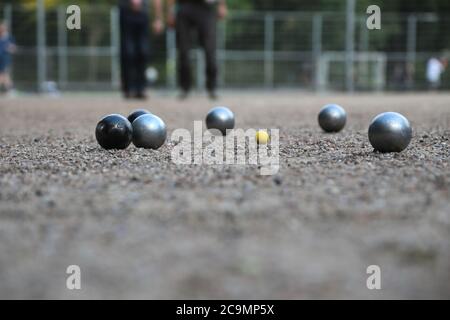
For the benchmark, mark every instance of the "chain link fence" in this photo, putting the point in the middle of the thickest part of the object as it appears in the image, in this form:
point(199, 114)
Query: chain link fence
point(302, 50)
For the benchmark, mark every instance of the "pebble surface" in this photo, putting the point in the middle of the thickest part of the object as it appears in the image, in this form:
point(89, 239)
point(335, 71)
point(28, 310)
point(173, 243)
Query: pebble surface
point(140, 226)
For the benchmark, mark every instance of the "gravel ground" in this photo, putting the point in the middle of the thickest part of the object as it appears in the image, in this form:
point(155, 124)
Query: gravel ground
point(140, 226)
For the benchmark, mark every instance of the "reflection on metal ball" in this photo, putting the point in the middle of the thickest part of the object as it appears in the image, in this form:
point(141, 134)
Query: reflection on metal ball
point(220, 118)
point(332, 118)
point(149, 132)
point(114, 132)
point(390, 132)
point(136, 114)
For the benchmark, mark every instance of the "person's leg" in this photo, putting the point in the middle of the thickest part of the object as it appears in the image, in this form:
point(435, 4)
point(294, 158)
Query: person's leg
point(132, 62)
point(142, 54)
point(430, 85)
point(2, 82)
point(183, 29)
point(124, 76)
point(132, 56)
point(433, 85)
point(8, 81)
point(3, 74)
point(128, 54)
point(207, 22)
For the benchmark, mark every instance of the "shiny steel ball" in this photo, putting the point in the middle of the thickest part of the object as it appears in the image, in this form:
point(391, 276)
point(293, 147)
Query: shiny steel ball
point(390, 132)
point(137, 113)
point(114, 132)
point(332, 118)
point(149, 132)
point(220, 118)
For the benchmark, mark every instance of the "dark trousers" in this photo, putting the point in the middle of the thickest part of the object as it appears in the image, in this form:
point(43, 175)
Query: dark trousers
point(134, 50)
point(202, 19)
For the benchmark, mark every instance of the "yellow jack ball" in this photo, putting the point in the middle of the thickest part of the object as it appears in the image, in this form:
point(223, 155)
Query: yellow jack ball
point(262, 137)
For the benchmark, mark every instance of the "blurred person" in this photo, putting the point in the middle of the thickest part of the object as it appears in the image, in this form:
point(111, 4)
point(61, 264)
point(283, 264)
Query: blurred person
point(135, 44)
point(199, 16)
point(7, 48)
point(409, 75)
point(398, 76)
point(435, 69)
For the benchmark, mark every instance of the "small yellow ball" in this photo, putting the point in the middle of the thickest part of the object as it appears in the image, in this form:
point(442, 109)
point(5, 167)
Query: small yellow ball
point(262, 137)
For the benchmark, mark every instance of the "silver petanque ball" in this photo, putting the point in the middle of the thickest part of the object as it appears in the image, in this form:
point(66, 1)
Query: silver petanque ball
point(137, 113)
point(149, 132)
point(220, 118)
point(390, 132)
point(332, 118)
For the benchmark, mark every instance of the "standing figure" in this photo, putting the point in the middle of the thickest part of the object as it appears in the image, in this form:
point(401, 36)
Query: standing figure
point(199, 16)
point(135, 44)
point(435, 69)
point(7, 48)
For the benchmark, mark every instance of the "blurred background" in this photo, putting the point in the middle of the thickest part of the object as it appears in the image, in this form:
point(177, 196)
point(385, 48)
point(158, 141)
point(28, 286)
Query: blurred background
point(306, 45)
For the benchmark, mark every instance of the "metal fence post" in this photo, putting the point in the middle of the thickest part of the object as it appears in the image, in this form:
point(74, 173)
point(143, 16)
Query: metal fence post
point(323, 71)
point(41, 44)
point(200, 63)
point(364, 36)
point(268, 50)
point(380, 76)
point(364, 47)
point(411, 46)
point(62, 48)
point(171, 60)
point(115, 44)
point(317, 48)
point(350, 45)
